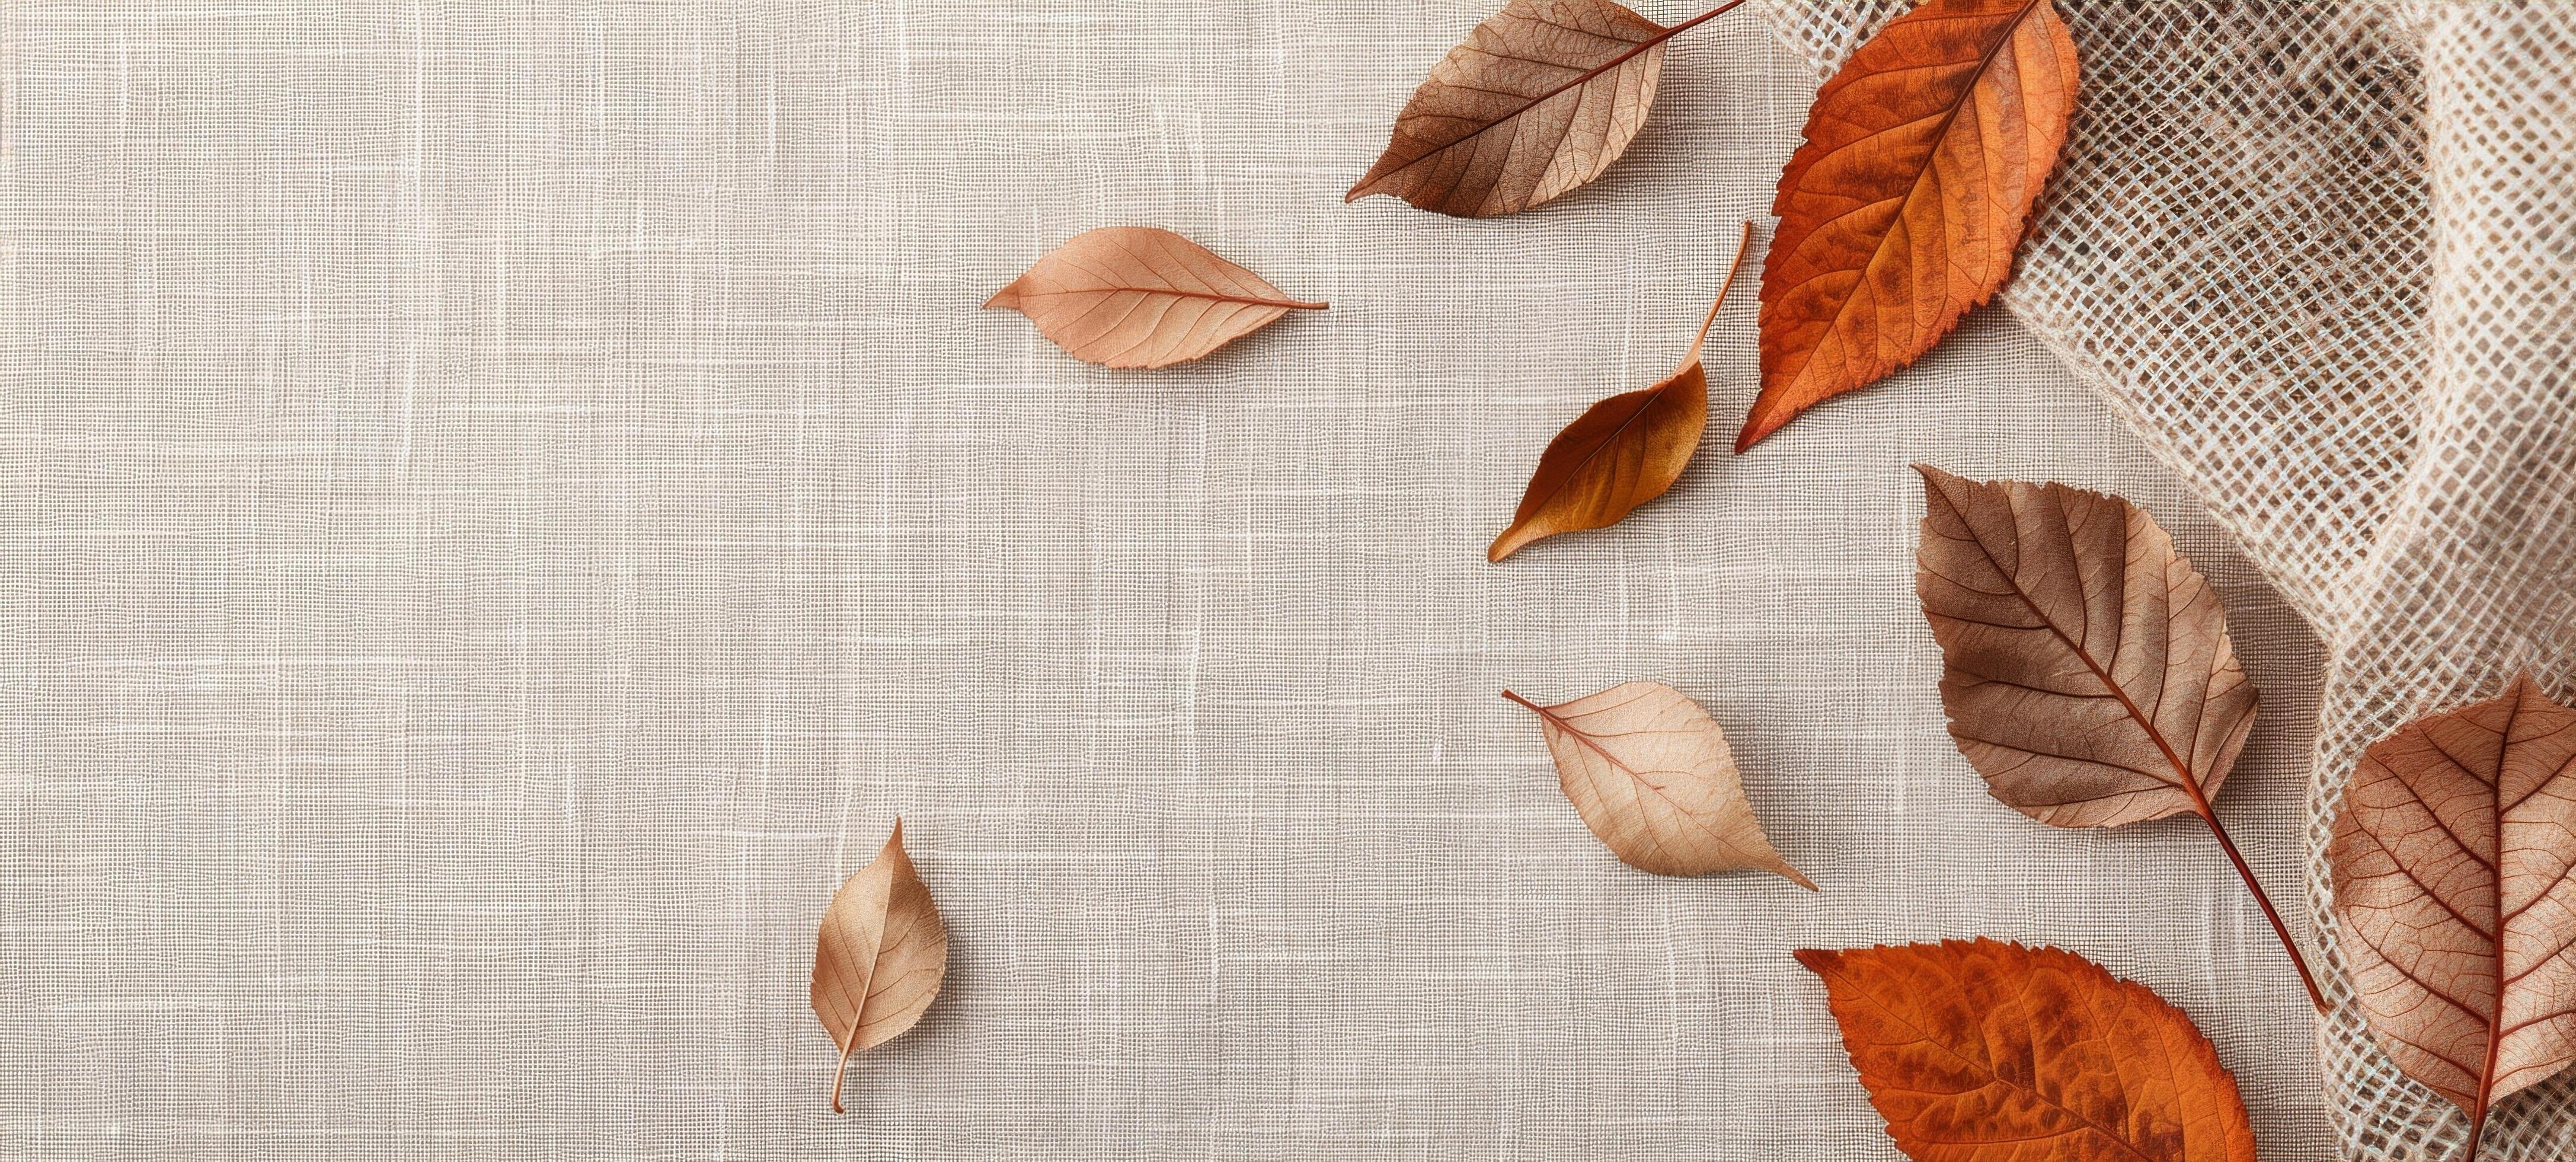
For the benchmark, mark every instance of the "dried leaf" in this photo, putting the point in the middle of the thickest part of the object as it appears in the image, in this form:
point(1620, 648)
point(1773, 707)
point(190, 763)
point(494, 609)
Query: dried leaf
point(1923, 158)
point(1538, 101)
point(1983, 1051)
point(1651, 774)
point(2088, 672)
point(880, 956)
point(2451, 869)
point(1622, 452)
point(1136, 296)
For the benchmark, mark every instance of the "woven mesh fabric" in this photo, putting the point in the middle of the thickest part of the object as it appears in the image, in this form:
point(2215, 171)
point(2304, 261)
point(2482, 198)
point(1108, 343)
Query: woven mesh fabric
point(2323, 257)
point(502, 504)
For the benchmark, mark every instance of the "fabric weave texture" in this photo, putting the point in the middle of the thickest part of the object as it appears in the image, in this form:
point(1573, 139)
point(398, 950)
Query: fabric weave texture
point(501, 506)
point(2323, 258)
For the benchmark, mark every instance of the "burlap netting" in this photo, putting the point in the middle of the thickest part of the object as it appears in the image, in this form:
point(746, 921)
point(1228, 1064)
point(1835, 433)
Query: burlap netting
point(2321, 255)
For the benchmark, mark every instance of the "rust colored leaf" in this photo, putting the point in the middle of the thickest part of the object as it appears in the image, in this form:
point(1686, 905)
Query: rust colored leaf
point(880, 956)
point(1136, 296)
point(1923, 158)
point(1538, 101)
point(1621, 452)
point(1983, 1051)
point(1650, 773)
point(2451, 866)
point(2087, 673)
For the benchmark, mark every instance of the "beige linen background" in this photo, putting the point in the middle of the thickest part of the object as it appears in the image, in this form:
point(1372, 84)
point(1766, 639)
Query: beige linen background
point(503, 505)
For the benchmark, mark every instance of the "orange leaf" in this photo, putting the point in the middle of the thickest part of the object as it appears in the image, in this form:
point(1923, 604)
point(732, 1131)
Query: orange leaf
point(1923, 158)
point(2454, 865)
point(1982, 1051)
point(1622, 452)
point(1137, 296)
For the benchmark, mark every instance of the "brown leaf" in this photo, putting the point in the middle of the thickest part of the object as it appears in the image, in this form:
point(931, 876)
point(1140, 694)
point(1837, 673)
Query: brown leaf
point(1136, 296)
point(1923, 158)
point(2451, 877)
point(1622, 452)
point(1651, 774)
point(1538, 101)
point(2088, 672)
point(1982, 1051)
point(880, 956)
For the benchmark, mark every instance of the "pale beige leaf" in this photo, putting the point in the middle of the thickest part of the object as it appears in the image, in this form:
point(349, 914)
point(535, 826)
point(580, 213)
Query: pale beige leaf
point(1650, 773)
point(2088, 674)
point(1137, 296)
point(880, 956)
point(2451, 866)
point(1538, 101)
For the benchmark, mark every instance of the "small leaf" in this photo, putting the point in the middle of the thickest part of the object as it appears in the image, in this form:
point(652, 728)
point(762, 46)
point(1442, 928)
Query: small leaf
point(880, 956)
point(1136, 296)
point(2451, 865)
point(1923, 158)
point(1622, 452)
point(1650, 773)
point(2087, 672)
point(1538, 101)
point(1983, 1051)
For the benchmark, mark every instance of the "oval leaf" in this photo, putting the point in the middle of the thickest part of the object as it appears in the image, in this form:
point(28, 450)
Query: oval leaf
point(2451, 877)
point(1539, 100)
point(1923, 158)
point(880, 956)
point(1650, 773)
point(2087, 669)
point(1622, 452)
point(1983, 1051)
point(1137, 296)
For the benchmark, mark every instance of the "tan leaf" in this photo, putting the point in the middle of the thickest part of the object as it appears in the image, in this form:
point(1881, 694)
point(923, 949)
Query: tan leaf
point(1923, 158)
point(880, 956)
point(1650, 773)
point(1136, 296)
point(1622, 452)
point(1982, 1051)
point(2451, 877)
point(1538, 101)
point(2088, 673)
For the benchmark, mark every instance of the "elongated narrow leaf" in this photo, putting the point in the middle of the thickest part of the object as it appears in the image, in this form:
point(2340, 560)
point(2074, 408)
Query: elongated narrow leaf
point(1983, 1051)
point(1923, 158)
point(880, 956)
point(1538, 101)
point(1136, 296)
point(2087, 669)
point(1650, 773)
point(2451, 864)
point(1623, 451)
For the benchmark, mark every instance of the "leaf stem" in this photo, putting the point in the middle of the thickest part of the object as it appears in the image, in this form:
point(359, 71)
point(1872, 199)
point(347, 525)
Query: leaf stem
point(843, 1067)
point(1728, 283)
point(2316, 996)
point(1541, 711)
